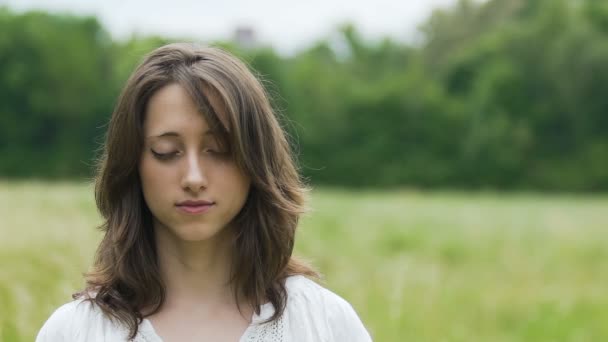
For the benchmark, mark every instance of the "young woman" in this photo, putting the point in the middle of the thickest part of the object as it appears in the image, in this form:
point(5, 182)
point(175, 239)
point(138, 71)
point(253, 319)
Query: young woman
point(200, 198)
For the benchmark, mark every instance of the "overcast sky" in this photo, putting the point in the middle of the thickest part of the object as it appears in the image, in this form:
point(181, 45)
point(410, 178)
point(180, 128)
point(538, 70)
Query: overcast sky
point(287, 25)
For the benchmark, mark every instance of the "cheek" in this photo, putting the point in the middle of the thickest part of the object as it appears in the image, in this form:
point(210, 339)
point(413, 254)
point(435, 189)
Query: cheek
point(235, 183)
point(154, 179)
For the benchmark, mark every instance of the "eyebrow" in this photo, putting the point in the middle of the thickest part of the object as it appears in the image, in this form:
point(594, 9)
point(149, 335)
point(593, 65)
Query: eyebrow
point(175, 134)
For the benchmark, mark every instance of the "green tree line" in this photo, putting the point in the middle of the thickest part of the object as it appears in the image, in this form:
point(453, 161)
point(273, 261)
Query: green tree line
point(504, 94)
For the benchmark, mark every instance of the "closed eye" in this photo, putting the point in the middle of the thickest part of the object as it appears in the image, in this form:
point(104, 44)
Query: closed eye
point(164, 156)
point(172, 155)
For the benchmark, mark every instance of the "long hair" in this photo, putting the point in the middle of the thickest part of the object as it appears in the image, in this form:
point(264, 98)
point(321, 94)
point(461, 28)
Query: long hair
point(125, 276)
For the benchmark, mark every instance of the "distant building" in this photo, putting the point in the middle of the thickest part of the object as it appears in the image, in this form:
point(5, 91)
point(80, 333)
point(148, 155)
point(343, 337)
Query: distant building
point(244, 36)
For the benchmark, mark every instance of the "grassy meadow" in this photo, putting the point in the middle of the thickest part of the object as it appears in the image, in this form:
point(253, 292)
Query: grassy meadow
point(417, 266)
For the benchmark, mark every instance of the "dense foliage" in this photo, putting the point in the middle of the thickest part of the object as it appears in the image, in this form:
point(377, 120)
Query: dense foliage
point(503, 94)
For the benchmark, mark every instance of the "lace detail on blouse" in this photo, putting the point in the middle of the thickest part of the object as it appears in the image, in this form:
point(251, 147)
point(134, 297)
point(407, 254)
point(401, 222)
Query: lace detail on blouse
point(267, 332)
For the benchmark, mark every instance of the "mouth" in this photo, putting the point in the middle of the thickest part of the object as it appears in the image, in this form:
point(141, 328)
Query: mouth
point(195, 208)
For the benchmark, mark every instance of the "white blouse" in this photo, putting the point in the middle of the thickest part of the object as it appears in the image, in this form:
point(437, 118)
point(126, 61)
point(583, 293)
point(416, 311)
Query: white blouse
point(313, 313)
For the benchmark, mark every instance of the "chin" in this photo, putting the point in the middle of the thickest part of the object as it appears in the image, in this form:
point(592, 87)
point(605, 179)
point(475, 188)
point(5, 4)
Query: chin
point(194, 233)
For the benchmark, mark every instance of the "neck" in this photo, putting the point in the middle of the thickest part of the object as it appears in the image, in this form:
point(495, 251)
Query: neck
point(195, 273)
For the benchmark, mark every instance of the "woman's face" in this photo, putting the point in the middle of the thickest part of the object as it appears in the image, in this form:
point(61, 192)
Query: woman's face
point(182, 161)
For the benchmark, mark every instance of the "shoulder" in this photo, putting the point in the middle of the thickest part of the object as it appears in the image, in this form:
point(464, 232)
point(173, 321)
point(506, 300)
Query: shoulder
point(304, 289)
point(62, 325)
point(316, 305)
point(317, 298)
point(74, 321)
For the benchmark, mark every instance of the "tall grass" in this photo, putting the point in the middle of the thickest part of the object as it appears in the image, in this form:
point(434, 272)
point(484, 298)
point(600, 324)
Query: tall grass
point(416, 266)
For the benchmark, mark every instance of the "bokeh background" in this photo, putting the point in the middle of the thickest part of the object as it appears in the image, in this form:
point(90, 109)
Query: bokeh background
point(458, 152)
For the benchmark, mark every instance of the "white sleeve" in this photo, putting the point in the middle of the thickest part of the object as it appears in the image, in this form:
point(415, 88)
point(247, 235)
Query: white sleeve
point(58, 326)
point(343, 321)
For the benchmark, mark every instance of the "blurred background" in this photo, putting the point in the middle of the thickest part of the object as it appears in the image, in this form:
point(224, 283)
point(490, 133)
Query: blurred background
point(458, 151)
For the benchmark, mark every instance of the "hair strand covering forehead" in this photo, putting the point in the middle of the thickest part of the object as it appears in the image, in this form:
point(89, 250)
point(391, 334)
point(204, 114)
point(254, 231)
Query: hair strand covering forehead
point(125, 280)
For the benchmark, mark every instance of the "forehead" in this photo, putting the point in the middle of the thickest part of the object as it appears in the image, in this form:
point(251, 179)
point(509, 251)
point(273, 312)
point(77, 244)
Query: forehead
point(171, 108)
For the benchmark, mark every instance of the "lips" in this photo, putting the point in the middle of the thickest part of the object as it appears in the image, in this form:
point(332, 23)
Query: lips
point(194, 207)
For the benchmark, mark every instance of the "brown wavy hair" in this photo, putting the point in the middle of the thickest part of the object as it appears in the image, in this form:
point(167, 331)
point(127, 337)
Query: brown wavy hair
point(125, 278)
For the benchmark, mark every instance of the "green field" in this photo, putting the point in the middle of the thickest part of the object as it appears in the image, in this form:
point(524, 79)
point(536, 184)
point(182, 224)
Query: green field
point(417, 266)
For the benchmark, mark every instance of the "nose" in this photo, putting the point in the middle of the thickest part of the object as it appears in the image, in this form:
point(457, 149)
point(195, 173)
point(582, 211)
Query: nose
point(194, 177)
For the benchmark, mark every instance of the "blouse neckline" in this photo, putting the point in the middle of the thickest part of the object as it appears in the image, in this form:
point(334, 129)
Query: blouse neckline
point(146, 329)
